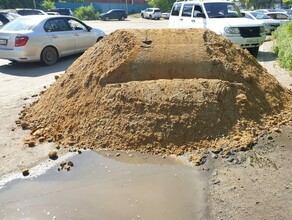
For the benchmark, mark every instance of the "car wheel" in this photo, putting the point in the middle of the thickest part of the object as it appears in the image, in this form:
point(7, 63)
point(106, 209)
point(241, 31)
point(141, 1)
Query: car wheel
point(150, 17)
point(142, 15)
point(122, 18)
point(253, 51)
point(99, 39)
point(49, 56)
point(107, 18)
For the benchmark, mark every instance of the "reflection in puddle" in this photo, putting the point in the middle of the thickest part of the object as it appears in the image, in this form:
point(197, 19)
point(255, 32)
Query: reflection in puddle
point(101, 188)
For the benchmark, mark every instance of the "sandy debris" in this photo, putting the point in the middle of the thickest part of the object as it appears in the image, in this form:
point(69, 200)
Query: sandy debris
point(160, 91)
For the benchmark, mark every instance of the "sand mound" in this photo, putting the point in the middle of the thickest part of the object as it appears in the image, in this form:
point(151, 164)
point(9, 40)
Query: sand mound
point(160, 91)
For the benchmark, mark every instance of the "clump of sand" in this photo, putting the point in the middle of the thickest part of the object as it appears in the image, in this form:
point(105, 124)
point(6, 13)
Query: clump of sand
point(160, 91)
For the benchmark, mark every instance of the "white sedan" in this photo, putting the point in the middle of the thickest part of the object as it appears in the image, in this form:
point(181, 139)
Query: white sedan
point(269, 24)
point(45, 38)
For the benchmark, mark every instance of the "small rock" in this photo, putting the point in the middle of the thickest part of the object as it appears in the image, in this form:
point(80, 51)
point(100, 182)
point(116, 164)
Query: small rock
point(56, 77)
point(24, 125)
point(79, 152)
point(35, 95)
point(58, 147)
point(53, 155)
point(41, 139)
point(70, 163)
point(25, 171)
point(215, 151)
point(12, 129)
point(270, 137)
point(118, 154)
point(31, 144)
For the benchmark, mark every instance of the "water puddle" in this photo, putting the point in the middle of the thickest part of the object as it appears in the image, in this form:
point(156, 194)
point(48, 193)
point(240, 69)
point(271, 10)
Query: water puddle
point(99, 187)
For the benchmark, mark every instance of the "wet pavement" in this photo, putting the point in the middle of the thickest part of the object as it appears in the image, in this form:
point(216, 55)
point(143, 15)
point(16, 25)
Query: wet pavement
point(99, 186)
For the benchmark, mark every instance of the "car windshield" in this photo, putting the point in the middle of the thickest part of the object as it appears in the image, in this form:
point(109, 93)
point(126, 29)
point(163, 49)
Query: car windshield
point(260, 15)
point(20, 24)
point(222, 10)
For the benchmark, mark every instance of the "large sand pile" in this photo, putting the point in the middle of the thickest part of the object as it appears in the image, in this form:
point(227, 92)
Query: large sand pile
point(165, 90)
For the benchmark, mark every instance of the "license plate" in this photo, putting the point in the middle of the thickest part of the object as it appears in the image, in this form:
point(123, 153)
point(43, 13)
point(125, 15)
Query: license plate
point(3, 42)
point(252, 41)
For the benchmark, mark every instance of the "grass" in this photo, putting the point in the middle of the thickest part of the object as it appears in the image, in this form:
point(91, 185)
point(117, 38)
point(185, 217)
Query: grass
point(283, 45)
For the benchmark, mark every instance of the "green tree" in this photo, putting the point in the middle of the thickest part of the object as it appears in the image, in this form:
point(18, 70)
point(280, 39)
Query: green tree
point(48, 4)
point(86, 13)
point(164, 5)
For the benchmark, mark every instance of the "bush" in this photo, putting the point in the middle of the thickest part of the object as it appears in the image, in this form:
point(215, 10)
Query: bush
point(283, 44)
point(86, 13)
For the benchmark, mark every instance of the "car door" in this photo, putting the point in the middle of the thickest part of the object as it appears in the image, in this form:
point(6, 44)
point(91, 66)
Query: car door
point(186, 19)
point(83, 37)
point(174, 17)
point(61, 35)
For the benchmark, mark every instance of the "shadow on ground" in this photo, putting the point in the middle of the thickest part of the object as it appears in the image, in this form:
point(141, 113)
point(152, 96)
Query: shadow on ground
point(37, 69)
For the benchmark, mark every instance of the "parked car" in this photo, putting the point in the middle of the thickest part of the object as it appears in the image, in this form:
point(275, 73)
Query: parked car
point(151, 13)
point(222, 17)
point(269, 24)
point(62, 11)
point(280, 16)
point(45, 38)
point(6, 17)
point(30, 11)
point(52, 13)
point(119, 14)
point(165, 15)
point(271, 10)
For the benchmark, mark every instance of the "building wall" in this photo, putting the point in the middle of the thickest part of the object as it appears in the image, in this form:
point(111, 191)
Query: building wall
point(117, 1)
point(104, 7)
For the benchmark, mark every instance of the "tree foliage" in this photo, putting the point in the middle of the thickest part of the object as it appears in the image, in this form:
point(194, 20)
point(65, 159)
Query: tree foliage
point(256, 4)
point(48, 4)
point(164, 5)
point(86, 13)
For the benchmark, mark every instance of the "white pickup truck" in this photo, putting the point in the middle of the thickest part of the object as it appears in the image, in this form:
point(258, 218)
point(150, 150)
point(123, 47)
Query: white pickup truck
point(222, 17)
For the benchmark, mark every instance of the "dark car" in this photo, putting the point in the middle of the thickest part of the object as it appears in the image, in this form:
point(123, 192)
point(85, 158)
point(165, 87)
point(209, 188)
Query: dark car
point(119, 14)
point(62, 11)
point(29, 11)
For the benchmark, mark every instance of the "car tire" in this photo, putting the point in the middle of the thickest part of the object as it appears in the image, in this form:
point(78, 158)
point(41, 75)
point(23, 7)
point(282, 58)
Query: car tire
point(142, 15)
point(49, 56)
point(106, 18)
point(253, 51)
point(99, 39)
point(122, 18)
point(150, 17)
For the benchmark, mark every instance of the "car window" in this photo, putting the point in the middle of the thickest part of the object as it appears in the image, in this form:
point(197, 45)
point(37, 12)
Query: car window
point(54, 25)
point(76, 25)
point(175, 9)
point(187, 10)
point(198, 12)
point(157, 11)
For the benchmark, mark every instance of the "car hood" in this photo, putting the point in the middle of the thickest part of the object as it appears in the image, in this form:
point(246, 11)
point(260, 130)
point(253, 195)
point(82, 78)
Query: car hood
point(235, 22)
point(218, 24)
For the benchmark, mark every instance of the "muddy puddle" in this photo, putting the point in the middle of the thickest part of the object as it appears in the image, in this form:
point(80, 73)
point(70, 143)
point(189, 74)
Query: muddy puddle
point(108, 187)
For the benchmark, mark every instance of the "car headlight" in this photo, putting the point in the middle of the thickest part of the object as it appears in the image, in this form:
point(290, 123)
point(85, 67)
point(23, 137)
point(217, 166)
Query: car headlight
point(262, 29)
point(232, 30)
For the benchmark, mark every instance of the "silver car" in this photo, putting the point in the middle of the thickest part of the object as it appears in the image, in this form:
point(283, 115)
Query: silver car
point(151, 13)
point(45, 38)
point(269, 24)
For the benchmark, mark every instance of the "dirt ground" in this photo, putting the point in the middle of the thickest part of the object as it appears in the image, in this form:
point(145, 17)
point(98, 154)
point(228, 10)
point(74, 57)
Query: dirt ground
point(253, 184)
point(256, 184)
